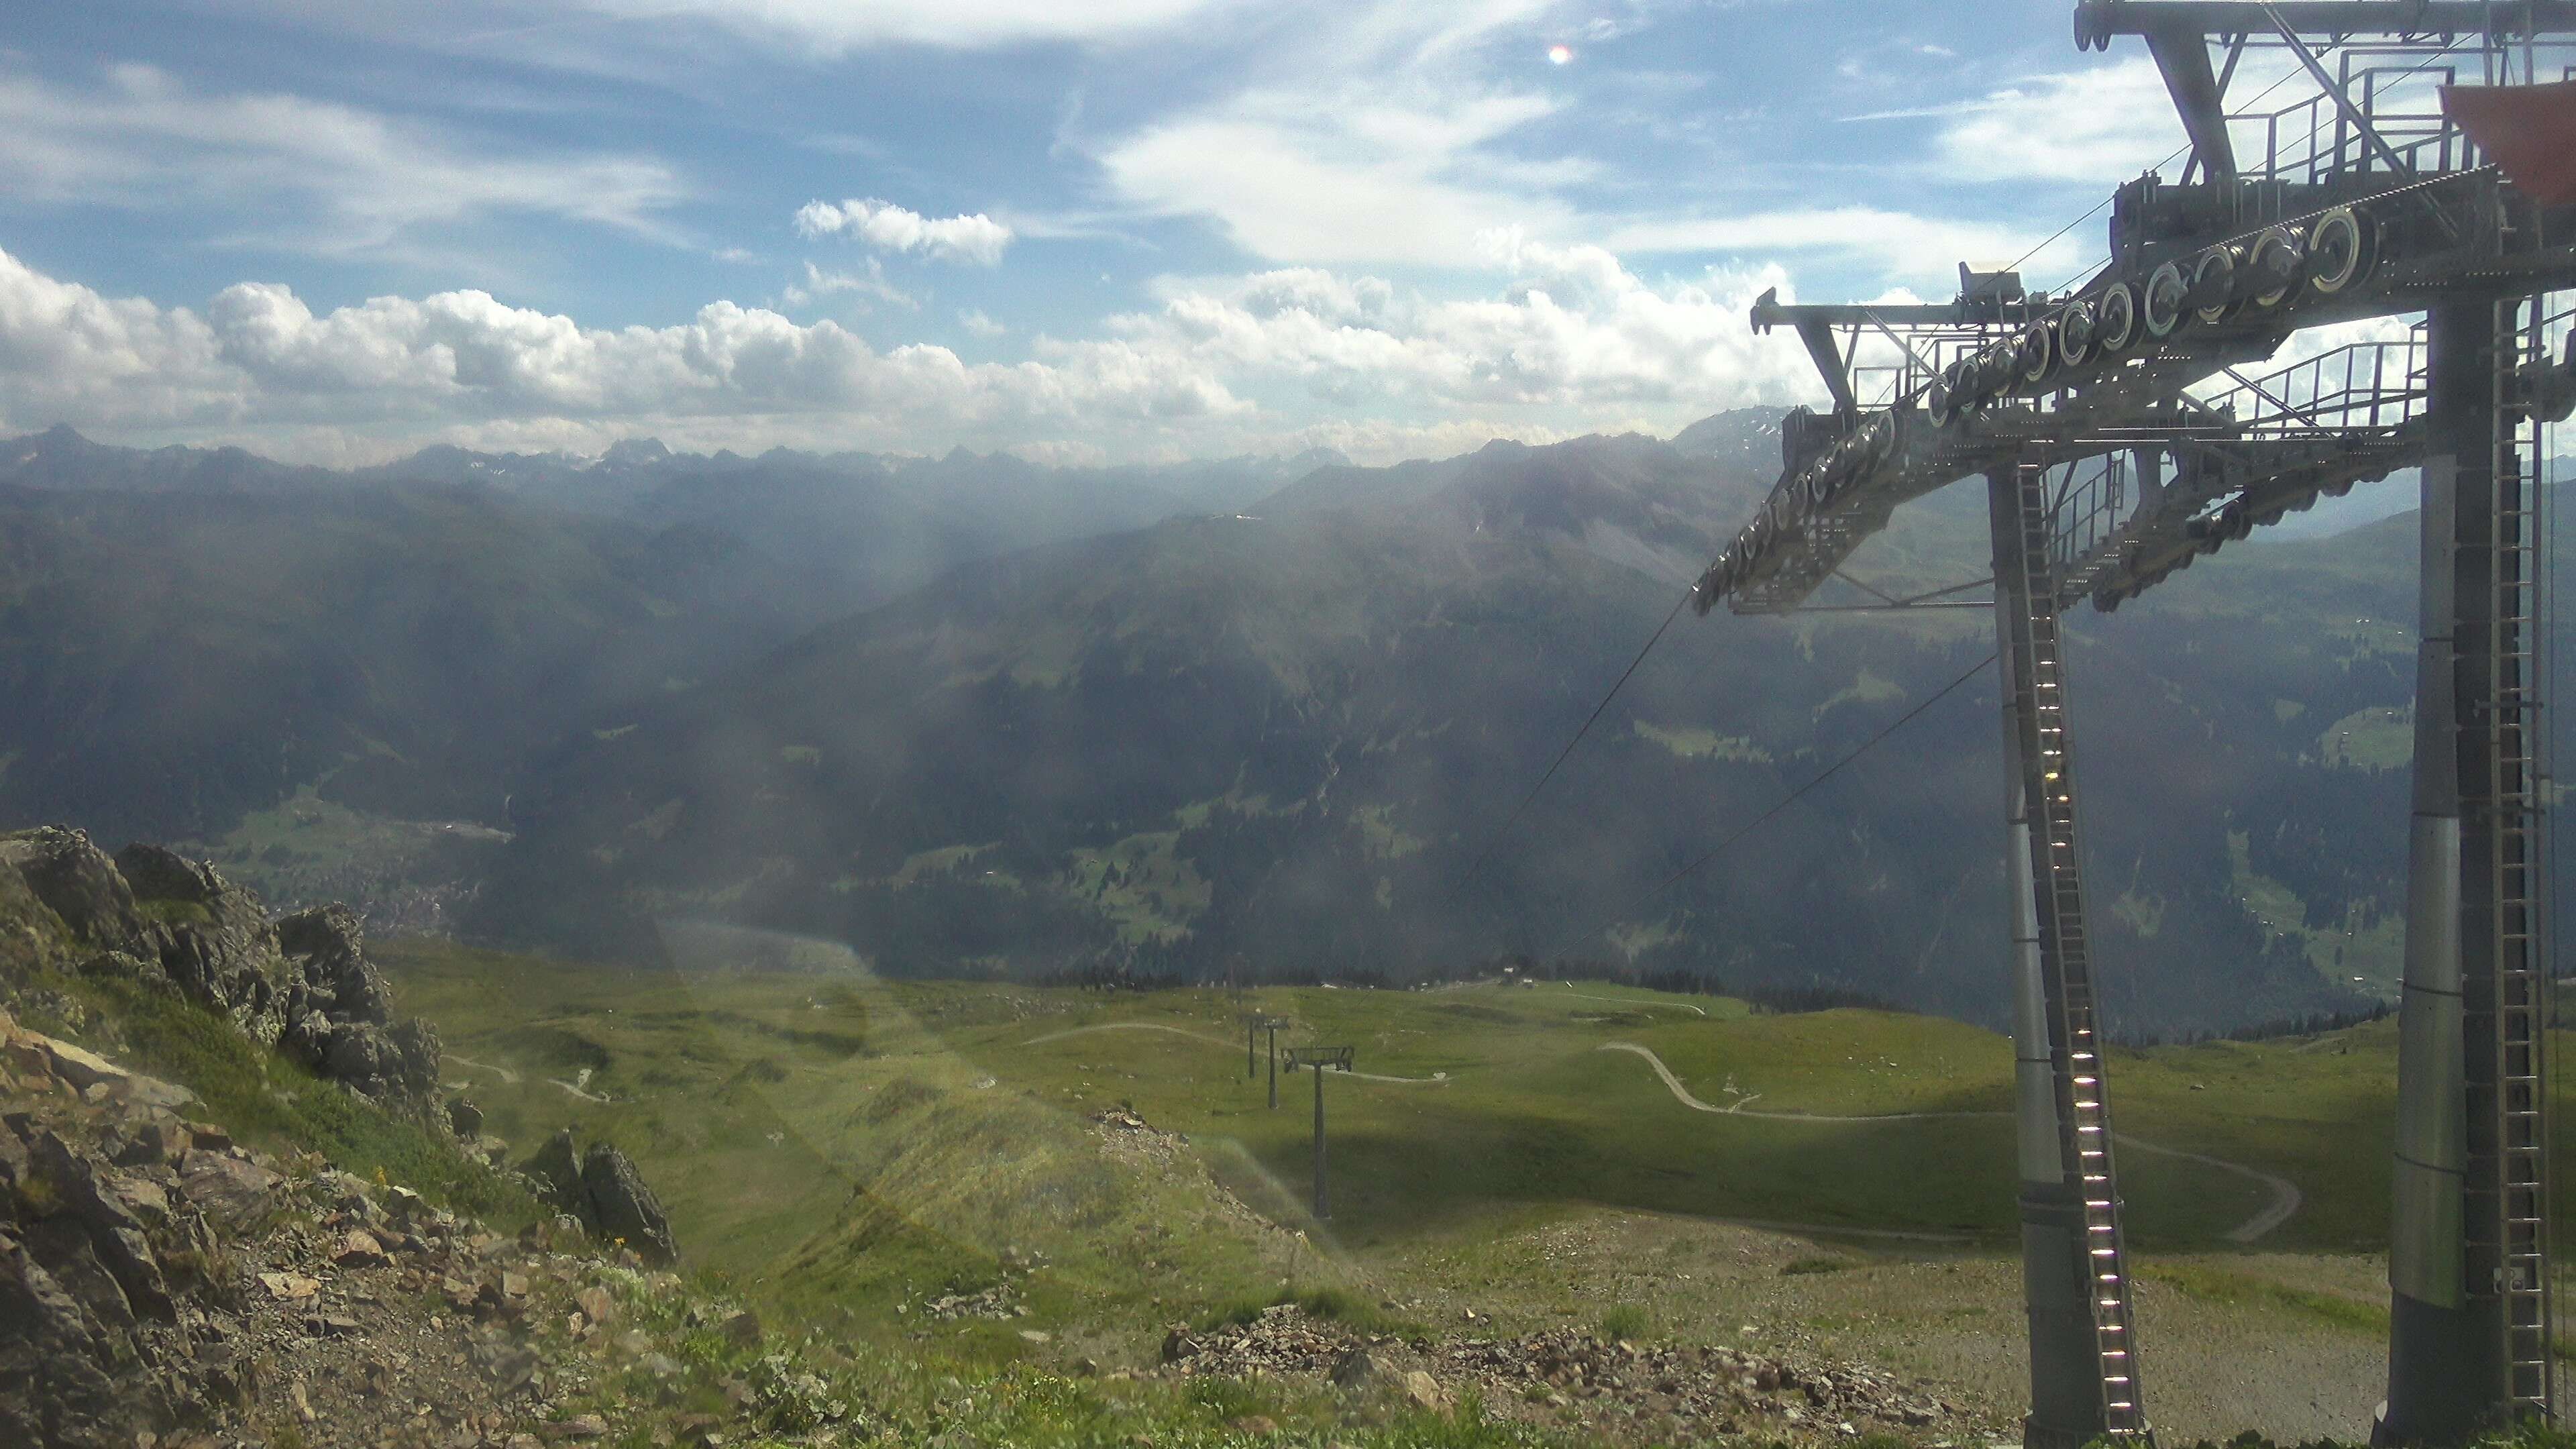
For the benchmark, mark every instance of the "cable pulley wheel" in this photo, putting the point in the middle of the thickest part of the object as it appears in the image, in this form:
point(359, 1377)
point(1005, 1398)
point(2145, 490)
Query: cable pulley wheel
point(2161, 309)
point(2338, 251)
point(2213, 286)
point(1997, 365)
point(2075, 334)
point(2035, 353)
point(2274, 258)
point(2115, 319)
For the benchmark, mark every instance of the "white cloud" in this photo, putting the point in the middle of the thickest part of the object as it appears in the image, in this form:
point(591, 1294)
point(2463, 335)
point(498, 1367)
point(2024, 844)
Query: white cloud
point(2099, 125)
point(1359, 175)
point(1372, 132)
point(1573, 330)
point(836, 27)
point(1895, 244)
point(335, 178)
point(888, 227)
point(820, 283)
point(974, 321)
point(1278, 360)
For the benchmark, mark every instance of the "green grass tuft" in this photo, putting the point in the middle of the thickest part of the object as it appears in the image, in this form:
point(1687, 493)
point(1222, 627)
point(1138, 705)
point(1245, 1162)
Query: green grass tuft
point(1622, 1322)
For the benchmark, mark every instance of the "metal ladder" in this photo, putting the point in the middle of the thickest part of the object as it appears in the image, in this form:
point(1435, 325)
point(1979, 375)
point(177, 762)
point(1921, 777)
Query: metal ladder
point(2084, 1122)
point(2516, 1225)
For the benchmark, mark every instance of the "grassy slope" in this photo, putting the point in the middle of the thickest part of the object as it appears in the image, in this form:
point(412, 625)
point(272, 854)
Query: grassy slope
point(929, 1130)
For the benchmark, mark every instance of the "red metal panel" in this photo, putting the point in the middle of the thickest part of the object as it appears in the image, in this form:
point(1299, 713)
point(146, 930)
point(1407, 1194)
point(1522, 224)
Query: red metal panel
point(2528, 131)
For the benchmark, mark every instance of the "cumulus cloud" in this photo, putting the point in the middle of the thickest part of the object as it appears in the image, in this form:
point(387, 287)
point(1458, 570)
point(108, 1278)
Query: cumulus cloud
point(344, 179)
point(888, 227)
point(1569, 340)
point(974, 321)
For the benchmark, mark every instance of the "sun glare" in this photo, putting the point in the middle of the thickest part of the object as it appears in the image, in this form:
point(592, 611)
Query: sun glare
point(1560, 54)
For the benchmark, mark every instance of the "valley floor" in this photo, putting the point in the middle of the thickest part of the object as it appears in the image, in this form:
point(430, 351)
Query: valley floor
point(1062, 1177)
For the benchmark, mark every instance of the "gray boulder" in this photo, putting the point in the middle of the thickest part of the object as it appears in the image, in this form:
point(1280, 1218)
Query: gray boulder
point(622, 1207)
point(115, 1235)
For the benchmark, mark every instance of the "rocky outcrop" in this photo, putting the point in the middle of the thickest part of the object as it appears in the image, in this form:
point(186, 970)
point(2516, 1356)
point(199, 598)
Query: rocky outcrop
point(604, 1192)
point(339, 1016)
point(93, 1344)
point(622, 1208)
point(555, 1171)
point(77, 882)
point(302, 983)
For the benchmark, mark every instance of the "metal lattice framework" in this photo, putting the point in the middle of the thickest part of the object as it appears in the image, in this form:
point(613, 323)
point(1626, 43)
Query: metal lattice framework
point(2176, 398)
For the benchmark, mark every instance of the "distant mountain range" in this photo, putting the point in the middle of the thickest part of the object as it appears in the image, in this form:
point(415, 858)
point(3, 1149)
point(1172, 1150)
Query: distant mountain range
point(975, 716)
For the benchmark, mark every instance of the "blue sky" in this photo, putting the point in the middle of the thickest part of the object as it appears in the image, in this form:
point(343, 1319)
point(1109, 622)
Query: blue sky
point(340, 229)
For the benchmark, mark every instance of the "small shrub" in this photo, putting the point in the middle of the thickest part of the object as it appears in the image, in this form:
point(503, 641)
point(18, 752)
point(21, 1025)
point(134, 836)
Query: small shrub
point(1622, 1321)
point(1225, 1398)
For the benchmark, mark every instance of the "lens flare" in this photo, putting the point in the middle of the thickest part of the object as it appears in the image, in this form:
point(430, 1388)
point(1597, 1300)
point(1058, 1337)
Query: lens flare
point(1560, 54)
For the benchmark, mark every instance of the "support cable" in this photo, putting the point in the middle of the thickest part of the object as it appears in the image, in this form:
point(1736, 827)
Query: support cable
point(1792, 798)
point(1503, 831)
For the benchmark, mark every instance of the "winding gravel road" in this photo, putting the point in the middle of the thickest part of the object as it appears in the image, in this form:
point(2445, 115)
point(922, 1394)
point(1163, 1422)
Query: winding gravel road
point(2285, 1193)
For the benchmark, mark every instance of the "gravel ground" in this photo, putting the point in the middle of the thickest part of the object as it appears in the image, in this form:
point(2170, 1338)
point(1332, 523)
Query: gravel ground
point(2213, 1366)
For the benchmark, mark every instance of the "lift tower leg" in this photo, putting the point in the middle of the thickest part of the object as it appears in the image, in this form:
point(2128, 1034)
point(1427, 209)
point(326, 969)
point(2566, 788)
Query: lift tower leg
point(2083, 1365)
point(2468, 1277)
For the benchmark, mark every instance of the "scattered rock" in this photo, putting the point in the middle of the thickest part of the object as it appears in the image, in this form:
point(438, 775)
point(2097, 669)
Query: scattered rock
point(290, 1287)
point(360, 1250)
point(230, 1189)
point(1356, 1372)
point(1424, 1391)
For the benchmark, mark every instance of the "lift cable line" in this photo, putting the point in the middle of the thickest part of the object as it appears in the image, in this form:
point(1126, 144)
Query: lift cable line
point(1792, 798)
point(2182, 150)
point(1502, 832)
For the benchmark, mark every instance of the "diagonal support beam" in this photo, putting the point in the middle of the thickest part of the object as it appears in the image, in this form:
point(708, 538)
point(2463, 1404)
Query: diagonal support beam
point(2353, 114)
point(1819, 337)
point(2182, 57)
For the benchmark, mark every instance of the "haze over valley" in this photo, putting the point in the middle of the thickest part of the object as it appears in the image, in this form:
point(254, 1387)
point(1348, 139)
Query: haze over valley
point(974, 716)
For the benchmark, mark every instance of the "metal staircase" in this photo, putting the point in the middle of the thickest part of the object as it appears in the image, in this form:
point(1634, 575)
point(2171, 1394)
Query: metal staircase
point(2508, 1218)
point(2082, 1112)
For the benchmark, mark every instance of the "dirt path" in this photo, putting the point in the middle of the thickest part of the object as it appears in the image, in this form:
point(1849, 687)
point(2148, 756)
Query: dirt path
point(1211, 1041)
point(2286, 1197)
point(2285, 1193)
point(1642, 1005)
point(510, 1078)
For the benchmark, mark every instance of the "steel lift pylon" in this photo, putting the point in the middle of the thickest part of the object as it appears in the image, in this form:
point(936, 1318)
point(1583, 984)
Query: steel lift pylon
point(2121, 437)
point(2084, 1366)
point(2469, 1339)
